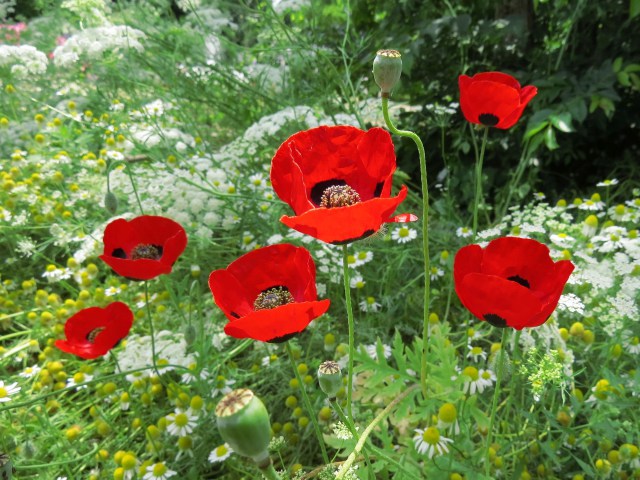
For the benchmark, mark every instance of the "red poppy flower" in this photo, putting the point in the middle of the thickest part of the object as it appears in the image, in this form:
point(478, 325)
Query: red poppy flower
point(512, 282)
point(144, 247)
point(493, 99)
point(268, 294)
point(338, 182)
point(93, 331)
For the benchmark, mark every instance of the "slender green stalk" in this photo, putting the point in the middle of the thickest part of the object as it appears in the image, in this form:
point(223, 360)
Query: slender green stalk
point(135, 190)
point(425, 236)
point(307, 404)
point(352, 428)
point(153, 340)
point(270, 473)
point(478, 198)
point(367, 431)
point(515, 180)
point(347, 298)
point(494, 404)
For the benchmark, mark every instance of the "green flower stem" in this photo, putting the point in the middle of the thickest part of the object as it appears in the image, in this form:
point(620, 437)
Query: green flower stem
point(349, 424)
point(494, 404)
point(135, 190)
point(307, 404)
point(347, 297)
point(367, 431)
point(515, 179)
point(425, 236)
point(270, 473)
point(153, 340)
point(478, 198)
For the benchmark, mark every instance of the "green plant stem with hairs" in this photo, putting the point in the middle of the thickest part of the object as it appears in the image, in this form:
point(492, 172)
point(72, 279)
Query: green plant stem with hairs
point(352, 428)
point(307, 404)
point(425, 236)
point(347, 298)
point(494, 403)
point(270, 473)
point(478, 177)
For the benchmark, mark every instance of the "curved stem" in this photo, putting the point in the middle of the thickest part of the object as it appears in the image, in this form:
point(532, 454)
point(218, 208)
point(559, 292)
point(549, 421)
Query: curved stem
point(367, 431)
point(347, 298)
point(425, 236)
point(494, 404)
point(151, 332)
point(352, 428)
point(478, 172)
point(307, 404)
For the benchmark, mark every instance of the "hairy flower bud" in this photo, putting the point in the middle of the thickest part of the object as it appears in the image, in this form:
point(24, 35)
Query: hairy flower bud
point(387, 68)
point(244, 424)
point(111, 203)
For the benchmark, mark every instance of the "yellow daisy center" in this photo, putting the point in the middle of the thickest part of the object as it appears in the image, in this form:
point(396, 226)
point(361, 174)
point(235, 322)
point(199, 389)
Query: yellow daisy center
point(471, 372)
point(221, 451)
point(159, 469)
point(181, 419)
point(3, 392)
point(431, 435)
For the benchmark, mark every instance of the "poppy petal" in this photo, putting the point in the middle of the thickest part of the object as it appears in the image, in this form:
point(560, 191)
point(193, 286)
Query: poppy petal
point(468, 260)
point(142, 269)
point(486, 295)
point(346, 224)
point(265, 325)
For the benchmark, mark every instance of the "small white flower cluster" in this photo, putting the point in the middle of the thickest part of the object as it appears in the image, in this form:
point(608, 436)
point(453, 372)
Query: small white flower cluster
point(93, 42)
point(169, 346)
point(25, 61)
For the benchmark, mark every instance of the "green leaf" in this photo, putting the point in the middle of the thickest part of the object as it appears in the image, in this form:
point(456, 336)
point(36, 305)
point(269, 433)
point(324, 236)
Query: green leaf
point(617, 64)
point(550, 138)
point(634, 8)
point(623, 78)
point(562, 122)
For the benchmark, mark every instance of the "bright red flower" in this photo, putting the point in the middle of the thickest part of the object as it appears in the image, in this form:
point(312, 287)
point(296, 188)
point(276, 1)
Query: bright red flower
point(493, 99)
point(338, 182)
point(143, 248)
point(93, 331)
point(268, 294)
point(512, 282)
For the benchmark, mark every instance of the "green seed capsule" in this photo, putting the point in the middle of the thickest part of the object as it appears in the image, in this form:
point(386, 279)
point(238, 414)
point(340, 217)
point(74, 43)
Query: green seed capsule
point(244, 424)
point(330, 378)
point(387, 68)
point(111, 203)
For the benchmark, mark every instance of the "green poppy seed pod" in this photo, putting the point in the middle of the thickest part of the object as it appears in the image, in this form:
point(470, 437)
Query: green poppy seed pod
point(387, 68)
point(6, 467)
point(243, 422)
point(190, 334)
point(111, 203)
point(330, 378)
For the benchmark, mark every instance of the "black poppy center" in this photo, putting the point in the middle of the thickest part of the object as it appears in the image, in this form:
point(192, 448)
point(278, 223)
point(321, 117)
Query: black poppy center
point(495, 320)
point(91, 336)
point(144, 250)
point(519, 280)
point(488, 119)
point(339, 196)
point(273, 297)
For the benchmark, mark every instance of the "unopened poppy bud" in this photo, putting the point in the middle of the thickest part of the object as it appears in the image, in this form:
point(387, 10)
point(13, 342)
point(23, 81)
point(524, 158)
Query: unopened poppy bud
point(387, 68)
point(244, 424)
point(330, 378)
point(189, 334)
point(110, 203)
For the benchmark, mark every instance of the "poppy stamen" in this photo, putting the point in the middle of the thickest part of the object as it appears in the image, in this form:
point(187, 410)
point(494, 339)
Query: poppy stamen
point(143, 250)
point(339, 196)
point(91, 336)
point(272, 298)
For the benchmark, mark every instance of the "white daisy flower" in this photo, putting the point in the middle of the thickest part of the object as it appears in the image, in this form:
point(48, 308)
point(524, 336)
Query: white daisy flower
point(357, 281)
point(372, 351)
point(180, 423)
point(562, 240)
point(608, 183)
point(220, 454)
point(223, 386)
point(436, 273)
point(472, 381)
point(359, 258)
point(78, 378)
point(158, 471)
point(7, 390)
point(404, 234)
point(464, 232)
point(30, 372)
point(476, 353)
point(631, 343)
point(591, 205)
point(369, 304)
point(429, 442)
